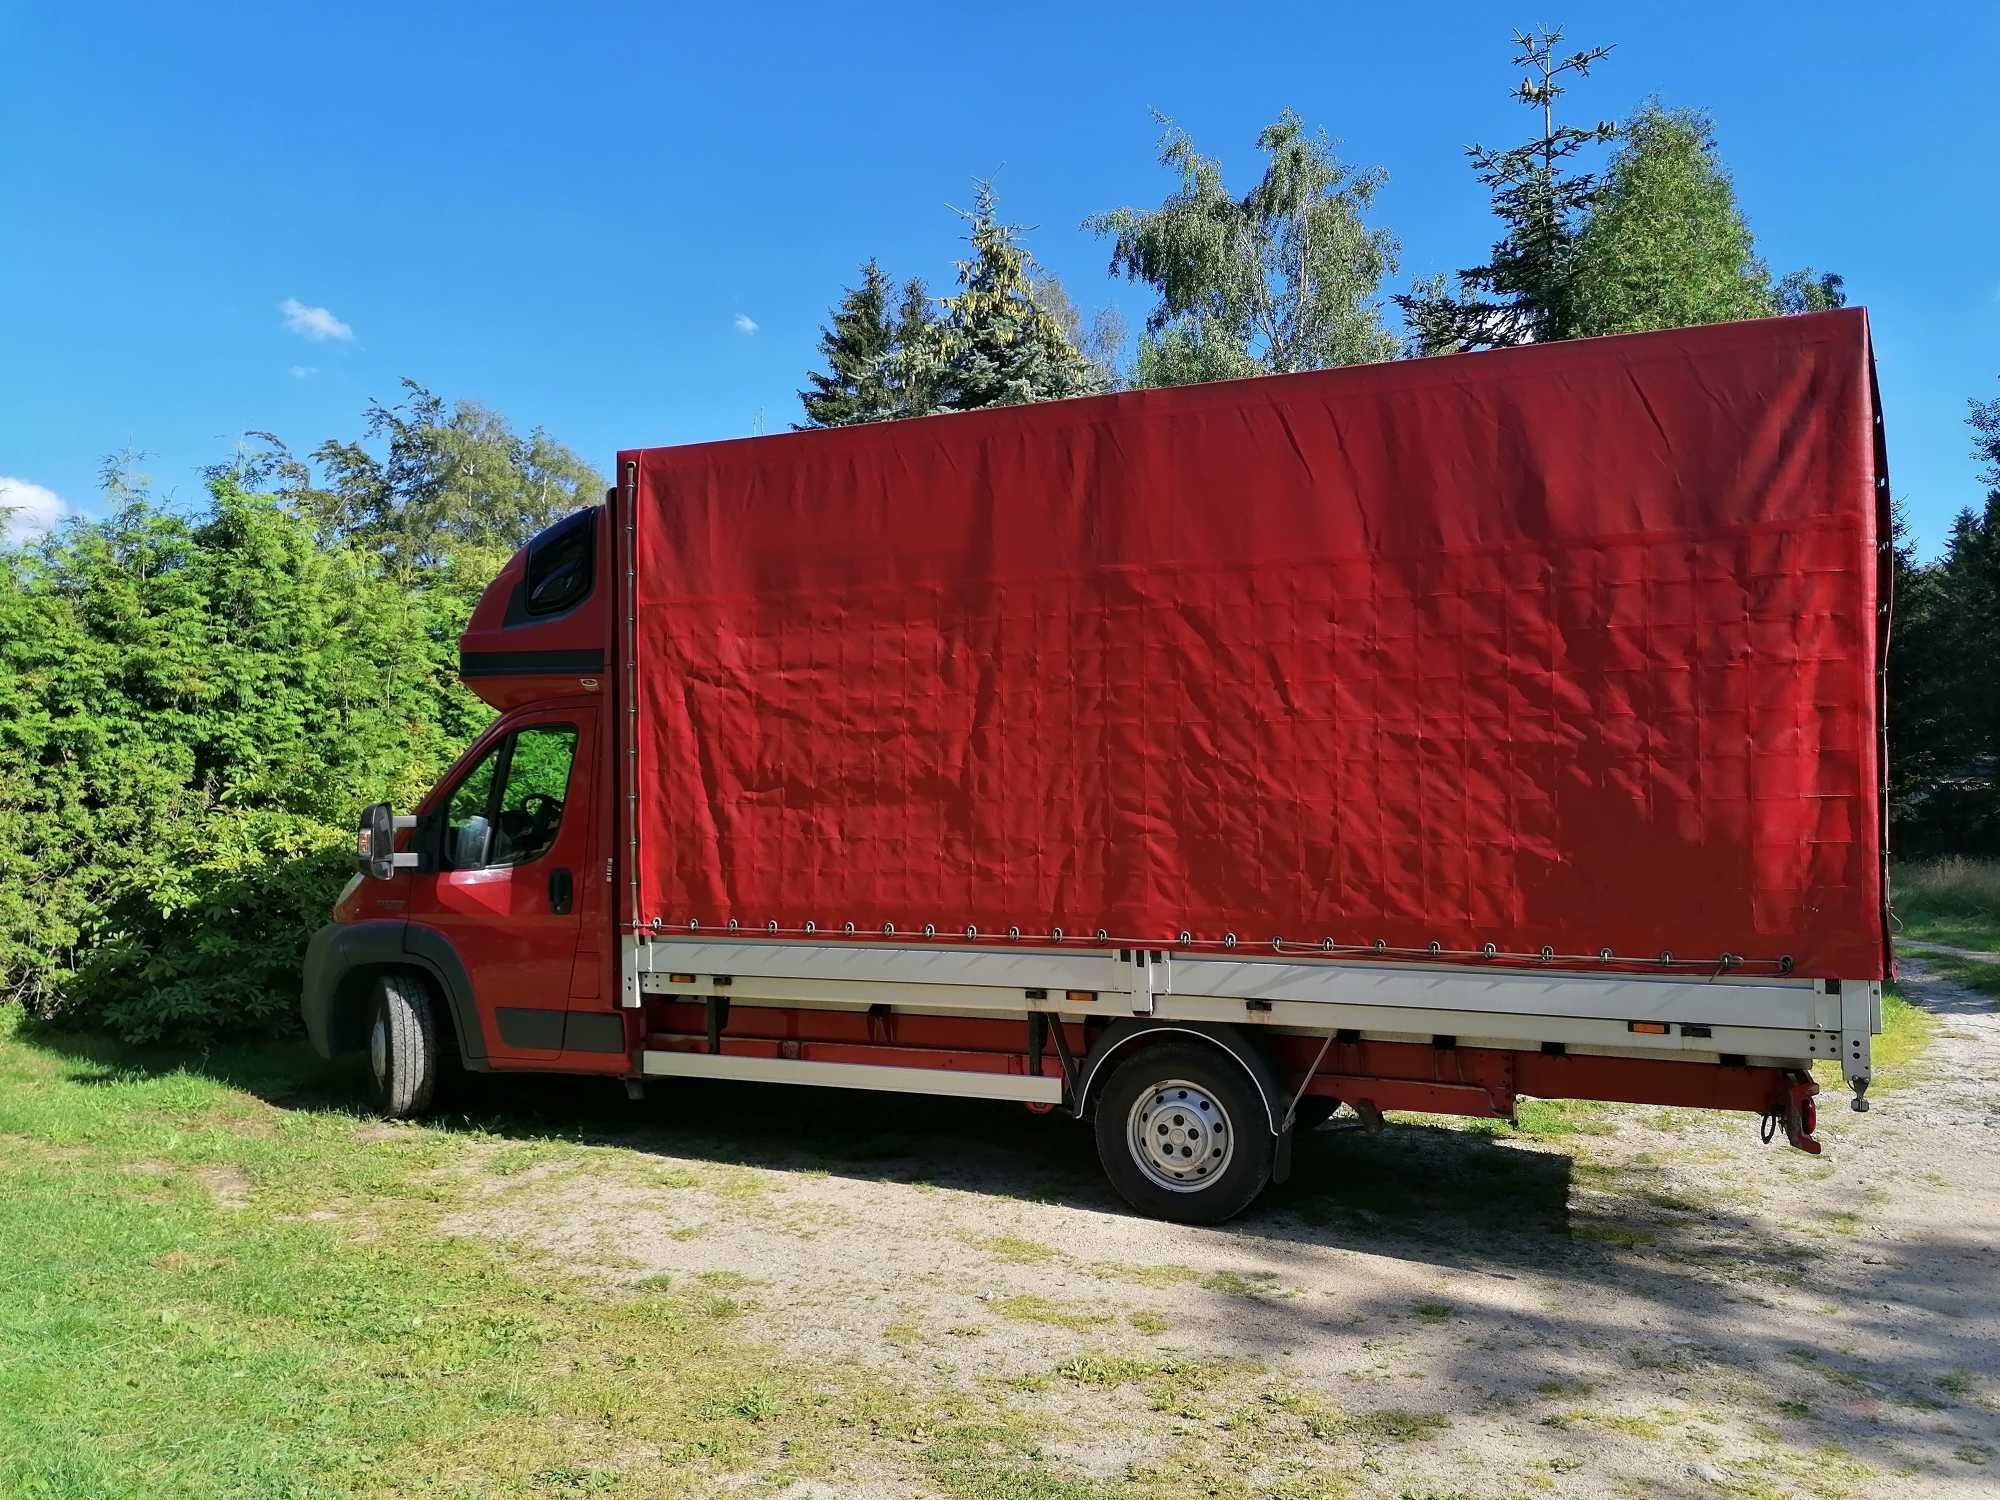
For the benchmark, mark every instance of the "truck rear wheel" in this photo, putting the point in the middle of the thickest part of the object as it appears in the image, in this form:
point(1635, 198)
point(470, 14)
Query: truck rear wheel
point(402, 1047)
point(1183, 1134)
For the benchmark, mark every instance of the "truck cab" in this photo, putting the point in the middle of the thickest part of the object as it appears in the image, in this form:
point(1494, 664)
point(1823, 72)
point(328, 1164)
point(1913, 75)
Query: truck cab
point(495, 919)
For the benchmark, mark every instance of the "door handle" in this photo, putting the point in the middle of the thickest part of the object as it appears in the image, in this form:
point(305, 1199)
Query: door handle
point(562, 891)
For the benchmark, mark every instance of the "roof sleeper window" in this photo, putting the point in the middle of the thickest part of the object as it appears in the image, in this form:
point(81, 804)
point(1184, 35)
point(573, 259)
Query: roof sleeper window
point(559, 564)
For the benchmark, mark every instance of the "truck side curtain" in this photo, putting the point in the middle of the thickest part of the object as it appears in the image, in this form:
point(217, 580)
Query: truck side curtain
point(1566, 650)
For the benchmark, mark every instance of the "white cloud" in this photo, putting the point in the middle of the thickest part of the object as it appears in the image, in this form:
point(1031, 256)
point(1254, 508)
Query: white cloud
point(304, 372)
point(314, 323)
point(29, 510)
point(745, 323)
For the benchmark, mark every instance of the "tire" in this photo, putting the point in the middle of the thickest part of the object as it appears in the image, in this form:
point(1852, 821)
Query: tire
point(403, 1053)
point(1210, 1146)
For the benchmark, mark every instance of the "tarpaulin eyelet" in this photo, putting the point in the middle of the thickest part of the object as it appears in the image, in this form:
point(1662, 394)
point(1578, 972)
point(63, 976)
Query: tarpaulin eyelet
point(848, 928)
point(888, 929)
point(734, 924)
point(1229, 940)
point(1102, 935)
point(930, 929)
point(1056, 936)
point(1547, 953)
point(770, 926)
point(1186, 937)
point(1381, 945)
point(694, 924)
point(1326, 945)
point(1013, 932)
point(1604, 955)
point(812, 927)
point(972, 932)
point(1666, 955)
point(1277, 945)
point(1434, 946)
point(1489, 949)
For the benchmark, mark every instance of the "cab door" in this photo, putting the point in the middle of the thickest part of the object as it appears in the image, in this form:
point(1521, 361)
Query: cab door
point(510, 857)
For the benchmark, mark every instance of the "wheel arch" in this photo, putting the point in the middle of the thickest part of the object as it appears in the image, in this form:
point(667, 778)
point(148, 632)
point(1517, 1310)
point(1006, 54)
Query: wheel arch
point(343, 962)
point(1126, 1038)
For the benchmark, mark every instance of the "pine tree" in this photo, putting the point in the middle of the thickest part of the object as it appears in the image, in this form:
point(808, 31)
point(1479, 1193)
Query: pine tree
point(857, 344)
point(996, 345)
point(1666, 246)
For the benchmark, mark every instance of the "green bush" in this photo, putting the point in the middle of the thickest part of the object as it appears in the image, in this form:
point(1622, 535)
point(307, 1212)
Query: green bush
point(209, 940)
point(193, 710)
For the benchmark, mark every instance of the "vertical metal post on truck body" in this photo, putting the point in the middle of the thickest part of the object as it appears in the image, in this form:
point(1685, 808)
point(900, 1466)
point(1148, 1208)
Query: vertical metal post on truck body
point(628, 648)
point(1860, 1007)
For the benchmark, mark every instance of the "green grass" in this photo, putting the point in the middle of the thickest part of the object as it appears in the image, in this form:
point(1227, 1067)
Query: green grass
point(1015, 1251)
point(1907, 1030)
point(1033, 1309)
point(1953, 900)
point(1395, 1425)
point(1155, 1276)
point(210, 1295)
point(1243, 1283)
point(323, 1338)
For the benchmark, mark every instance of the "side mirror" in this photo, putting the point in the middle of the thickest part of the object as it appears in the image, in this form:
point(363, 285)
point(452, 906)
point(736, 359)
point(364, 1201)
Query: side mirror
point(375, 843)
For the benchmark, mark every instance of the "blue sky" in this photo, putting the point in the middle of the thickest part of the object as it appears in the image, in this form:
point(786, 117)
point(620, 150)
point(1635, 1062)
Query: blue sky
point(572, 212)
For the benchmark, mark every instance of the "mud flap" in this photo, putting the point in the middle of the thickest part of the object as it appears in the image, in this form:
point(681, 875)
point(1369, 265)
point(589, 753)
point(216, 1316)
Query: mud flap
point(1281, 1160)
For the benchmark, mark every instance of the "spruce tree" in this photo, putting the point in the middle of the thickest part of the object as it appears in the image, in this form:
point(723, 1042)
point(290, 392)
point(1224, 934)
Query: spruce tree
point(996, 345)
point(1521, 295)
point(912, 372)
point(857, 343)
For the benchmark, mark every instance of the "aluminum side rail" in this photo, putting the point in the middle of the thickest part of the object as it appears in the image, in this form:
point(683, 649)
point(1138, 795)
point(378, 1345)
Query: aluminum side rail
point(1785, 1022)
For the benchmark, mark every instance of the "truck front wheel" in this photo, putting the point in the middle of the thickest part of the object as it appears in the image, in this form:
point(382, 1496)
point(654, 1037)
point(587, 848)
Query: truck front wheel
point(402, 1047)
point(1183, 1134)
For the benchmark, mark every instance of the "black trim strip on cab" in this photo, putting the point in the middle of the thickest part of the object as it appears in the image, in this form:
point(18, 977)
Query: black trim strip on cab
point(530, 663)
point(530, 1029)
point(541, 1030)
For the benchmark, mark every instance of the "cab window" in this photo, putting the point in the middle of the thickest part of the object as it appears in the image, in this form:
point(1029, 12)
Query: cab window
point(507, 809)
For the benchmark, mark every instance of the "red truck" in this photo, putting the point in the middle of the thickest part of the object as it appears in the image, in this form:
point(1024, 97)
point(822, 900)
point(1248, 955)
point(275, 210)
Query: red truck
point(1416, 737)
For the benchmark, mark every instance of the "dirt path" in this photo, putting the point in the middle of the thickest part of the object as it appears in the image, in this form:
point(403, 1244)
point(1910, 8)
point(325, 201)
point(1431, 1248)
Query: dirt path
point(1974, 955)
point(1659, 1307)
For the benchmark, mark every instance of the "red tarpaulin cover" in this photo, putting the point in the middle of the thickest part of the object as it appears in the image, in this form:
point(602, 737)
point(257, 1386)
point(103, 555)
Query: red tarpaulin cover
point(1571, 647)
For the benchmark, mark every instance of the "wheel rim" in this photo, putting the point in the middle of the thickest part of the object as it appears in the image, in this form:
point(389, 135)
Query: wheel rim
point(378, 1048)
point(1181, 1136)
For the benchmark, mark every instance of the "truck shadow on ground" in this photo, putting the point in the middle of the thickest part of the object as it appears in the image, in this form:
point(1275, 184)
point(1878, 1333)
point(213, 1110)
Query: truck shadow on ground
point(1541, 1274)
point(1445, 1196)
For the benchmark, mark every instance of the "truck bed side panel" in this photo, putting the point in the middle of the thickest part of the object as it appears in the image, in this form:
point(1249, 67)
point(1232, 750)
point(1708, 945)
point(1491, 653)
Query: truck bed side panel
point(1569, 647)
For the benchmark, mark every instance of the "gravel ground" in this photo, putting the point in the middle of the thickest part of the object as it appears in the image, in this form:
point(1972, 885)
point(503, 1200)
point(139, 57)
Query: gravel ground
point(1654, 1304)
